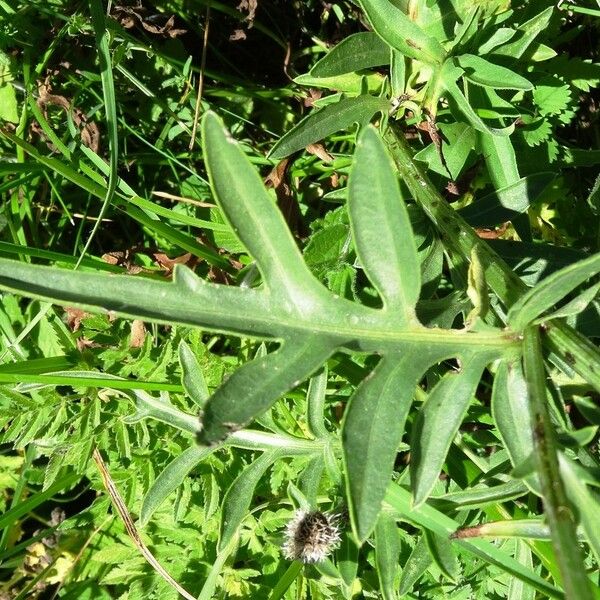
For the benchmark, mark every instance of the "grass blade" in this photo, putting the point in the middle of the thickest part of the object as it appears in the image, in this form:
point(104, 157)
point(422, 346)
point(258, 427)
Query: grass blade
point(110, 109)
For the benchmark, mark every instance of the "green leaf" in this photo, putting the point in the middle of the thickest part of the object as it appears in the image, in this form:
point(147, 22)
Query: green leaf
point(381, 227)
point(577, 305)
point(239, 496)
point(502, 204)
point(372, 431)
point(482, 72)
point(429, 518)
point(397, 30)
point(458, 142)
point(437, 424)
point(248, 206)
point(255, 386)
point(347, 559)
point(515, 528)
point(418, 562)
point(387, 553)
point(443, 554)
point(315, 399)
point(526, 33)
point(586, 503)
point(510, 410)
point(518, 590)
point(551, 95)
point(8, 104)
point(551, 290)
point(354, 53)
point(192, 377)
point(170, 479)
point(322, 123)
point(449, 75)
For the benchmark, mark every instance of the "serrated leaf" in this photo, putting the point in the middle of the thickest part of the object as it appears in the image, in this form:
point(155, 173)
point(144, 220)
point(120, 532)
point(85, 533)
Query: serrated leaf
point(381, 227)
point(537, 131)
point(322, 123)
point(551, 95)
point(397, 30)
point(437, 424)
point(483, 72)
point(354, 53)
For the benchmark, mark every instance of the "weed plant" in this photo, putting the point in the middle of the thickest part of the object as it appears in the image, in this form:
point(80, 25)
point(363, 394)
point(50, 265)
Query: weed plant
point(299, 300)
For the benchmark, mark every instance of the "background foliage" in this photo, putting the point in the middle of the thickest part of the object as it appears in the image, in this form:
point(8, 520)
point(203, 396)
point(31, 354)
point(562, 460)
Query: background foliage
point(101, 174)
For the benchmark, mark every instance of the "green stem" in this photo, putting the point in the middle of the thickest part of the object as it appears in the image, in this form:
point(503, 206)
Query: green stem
point(558, 512)
point(460, 239)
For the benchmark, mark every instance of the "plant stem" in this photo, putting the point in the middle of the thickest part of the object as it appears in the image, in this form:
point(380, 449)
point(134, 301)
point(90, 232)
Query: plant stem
point(556, 506)
point(459, 238)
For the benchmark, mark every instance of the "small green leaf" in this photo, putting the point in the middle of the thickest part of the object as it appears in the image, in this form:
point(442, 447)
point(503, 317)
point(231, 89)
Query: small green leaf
point(418, 562)
point(396, 29)
point(510, 410)
point(170, 479)
point(442, 552)
point(551, 290)
point(381, 228)
point(322, 123)
point(255, 386)
point(192, 377)
point(458, 143)
point(315, 399)
point(239, 496)
point(347, 559)
point(449, 76)
point(586, 503)
point(387, 553)
point(437, 423)
point(577, 305)
point(354, 53)
point(482, 72)
point(8, 104)
point(527, 32)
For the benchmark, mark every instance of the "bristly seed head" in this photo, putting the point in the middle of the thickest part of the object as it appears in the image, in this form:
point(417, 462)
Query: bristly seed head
point(311, 536)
